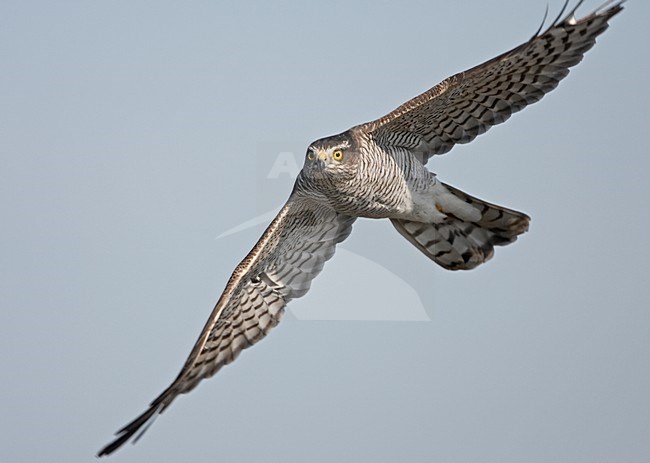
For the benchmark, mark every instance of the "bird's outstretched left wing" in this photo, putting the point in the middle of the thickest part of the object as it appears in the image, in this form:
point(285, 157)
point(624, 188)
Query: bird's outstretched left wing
point(280, 267)
point(467, 104)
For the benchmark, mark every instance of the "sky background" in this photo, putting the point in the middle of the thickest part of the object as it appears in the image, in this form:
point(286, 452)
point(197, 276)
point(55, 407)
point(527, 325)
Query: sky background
point(133, 134)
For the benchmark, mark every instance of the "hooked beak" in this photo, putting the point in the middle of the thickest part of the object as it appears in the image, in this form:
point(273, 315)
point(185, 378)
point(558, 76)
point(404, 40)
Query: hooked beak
point(317, 165)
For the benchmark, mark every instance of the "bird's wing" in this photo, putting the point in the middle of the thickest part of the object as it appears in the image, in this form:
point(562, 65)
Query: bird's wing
point(280, 267)
point(467, 104)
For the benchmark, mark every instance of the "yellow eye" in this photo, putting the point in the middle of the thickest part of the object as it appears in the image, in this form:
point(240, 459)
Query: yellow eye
point(311, 155)
point(337, 155)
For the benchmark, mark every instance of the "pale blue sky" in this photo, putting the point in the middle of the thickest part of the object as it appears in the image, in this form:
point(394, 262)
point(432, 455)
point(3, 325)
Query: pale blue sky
point(129, 135)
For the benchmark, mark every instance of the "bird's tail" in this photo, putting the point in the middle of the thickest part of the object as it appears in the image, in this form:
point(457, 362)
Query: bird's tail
point(458, 244)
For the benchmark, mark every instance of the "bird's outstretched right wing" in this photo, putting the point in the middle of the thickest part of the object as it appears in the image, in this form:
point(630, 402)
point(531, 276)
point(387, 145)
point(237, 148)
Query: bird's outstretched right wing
point(467, 104)
point(280, 267)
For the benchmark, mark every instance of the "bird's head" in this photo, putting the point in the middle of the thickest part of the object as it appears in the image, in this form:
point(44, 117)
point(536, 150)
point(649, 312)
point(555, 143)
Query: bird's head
point(331, 157)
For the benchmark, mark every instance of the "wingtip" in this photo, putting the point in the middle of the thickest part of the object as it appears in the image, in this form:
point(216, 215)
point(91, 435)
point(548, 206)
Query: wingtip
point(608, 8)
point(137, 426)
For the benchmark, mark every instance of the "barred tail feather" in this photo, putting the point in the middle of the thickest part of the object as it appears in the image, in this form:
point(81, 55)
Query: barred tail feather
point(457, 244)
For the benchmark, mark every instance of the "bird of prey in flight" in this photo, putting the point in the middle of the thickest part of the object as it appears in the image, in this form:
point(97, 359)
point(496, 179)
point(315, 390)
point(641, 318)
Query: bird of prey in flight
point(378, 170)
